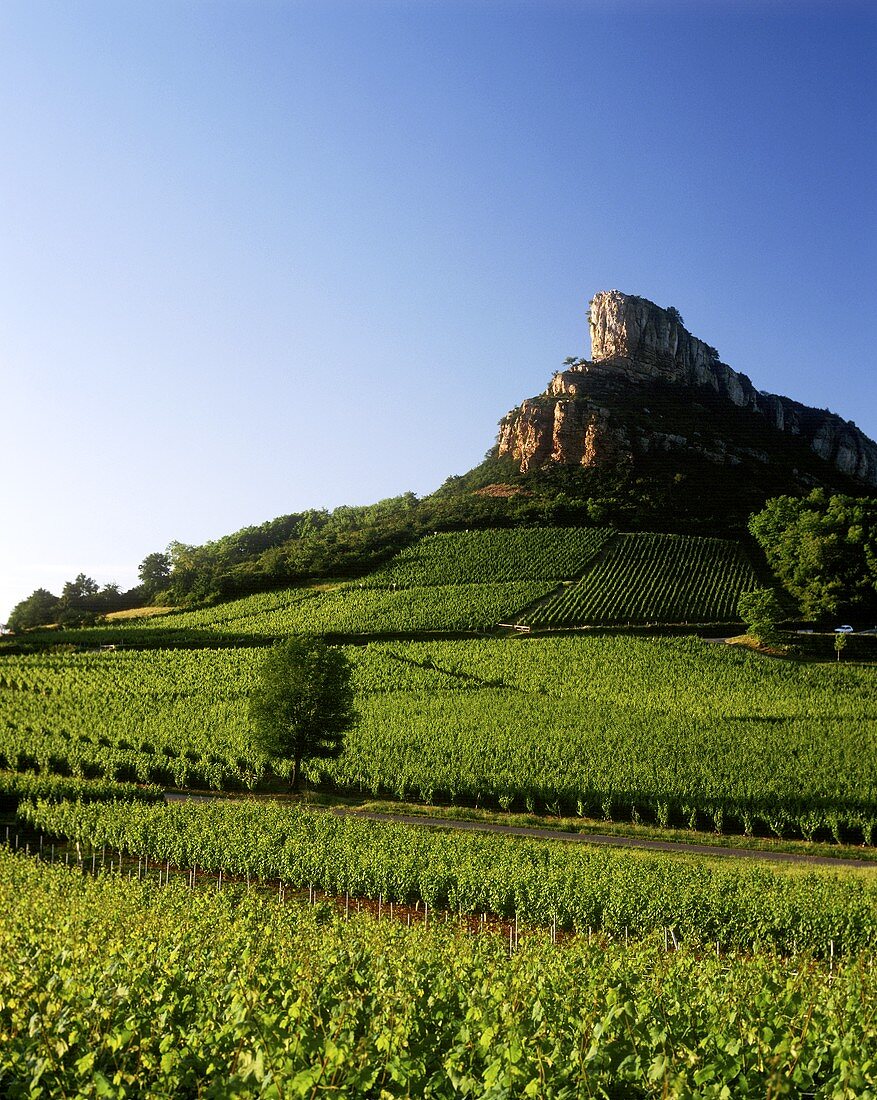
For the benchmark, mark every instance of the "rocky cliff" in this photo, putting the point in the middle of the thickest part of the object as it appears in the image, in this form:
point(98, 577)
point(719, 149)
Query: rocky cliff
point(651, 386)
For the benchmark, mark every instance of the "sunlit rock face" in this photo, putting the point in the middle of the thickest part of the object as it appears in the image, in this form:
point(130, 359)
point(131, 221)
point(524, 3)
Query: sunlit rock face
point(595, 412)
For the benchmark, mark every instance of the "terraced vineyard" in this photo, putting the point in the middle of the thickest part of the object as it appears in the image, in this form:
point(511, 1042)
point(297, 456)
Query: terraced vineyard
point(469, 582)
point(460, 581)
point(652, 578)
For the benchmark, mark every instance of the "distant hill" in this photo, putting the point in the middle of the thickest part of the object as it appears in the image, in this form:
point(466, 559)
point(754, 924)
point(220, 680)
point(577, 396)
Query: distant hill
point(656, 422)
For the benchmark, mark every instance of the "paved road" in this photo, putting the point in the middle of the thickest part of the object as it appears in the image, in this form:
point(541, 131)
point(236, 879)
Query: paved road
point(538, 833)
point(609, 840)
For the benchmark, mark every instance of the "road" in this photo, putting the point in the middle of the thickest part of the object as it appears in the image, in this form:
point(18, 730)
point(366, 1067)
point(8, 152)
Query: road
point(598, 839)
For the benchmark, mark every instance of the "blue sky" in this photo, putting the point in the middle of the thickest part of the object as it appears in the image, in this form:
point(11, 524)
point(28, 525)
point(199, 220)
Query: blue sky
point(261, 256)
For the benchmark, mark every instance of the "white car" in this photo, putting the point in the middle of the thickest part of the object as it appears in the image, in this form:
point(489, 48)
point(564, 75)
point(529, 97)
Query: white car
point(844, 630)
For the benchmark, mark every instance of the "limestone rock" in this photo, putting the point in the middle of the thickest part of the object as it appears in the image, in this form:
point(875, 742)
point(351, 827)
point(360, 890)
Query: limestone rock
point(592, 413)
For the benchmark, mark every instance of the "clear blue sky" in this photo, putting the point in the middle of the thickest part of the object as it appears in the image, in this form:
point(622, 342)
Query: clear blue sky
point(262, 255)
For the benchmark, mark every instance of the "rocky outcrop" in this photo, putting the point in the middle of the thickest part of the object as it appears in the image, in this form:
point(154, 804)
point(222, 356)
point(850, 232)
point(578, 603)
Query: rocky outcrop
point(593, 412)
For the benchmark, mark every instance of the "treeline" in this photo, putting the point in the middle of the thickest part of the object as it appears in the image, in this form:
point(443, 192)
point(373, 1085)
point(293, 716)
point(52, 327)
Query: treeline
point(81, 603)
point(822, 548)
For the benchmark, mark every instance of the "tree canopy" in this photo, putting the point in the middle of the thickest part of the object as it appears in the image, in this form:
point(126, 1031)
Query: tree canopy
point(302, 703)
point(39, 608)
point(823, 549)
point(762, 613)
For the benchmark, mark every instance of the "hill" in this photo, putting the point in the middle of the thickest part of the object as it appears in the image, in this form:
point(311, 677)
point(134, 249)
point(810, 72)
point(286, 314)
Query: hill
point(654, 433)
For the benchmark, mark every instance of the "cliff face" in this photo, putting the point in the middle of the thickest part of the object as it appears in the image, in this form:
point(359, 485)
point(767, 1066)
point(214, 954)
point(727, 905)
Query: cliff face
point(597, 411)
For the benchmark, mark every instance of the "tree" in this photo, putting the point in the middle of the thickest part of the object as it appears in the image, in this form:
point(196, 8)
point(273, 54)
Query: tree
point(823, 549)
point(762, 613)
point(840, 643)
point(79, 603)
point(40, 608)
point(302, 703)
point(154, 572)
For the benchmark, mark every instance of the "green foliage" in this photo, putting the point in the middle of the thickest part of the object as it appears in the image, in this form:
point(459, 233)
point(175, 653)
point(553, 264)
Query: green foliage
point(497, 556)
point(643, 578)
point(175, 718)
point(15, 786)
point(762, 613)
point(40, 608)
point(114, 987)
point(154, 572)
point(473, 580)
point(541, 881)
point(302, 703)
point(599, 725)
point(824, 551)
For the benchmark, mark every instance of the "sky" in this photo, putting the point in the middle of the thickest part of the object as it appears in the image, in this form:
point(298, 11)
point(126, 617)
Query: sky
point(266, 255)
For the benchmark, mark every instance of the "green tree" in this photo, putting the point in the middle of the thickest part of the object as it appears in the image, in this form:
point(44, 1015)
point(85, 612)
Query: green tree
point(40, 608)
point(840, 644)
point(79, 603)
point(823, 549)
point(155, 573)
point(302, 703)
point(762, 613)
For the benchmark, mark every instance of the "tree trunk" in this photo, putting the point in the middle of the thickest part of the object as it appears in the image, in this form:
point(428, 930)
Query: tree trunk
point(296, 767)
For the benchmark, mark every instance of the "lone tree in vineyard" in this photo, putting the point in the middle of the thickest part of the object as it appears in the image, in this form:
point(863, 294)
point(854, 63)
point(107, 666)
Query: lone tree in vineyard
point(302, 703)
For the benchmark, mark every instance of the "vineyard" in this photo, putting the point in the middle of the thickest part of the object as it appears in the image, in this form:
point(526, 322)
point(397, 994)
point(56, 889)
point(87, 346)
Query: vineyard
point(493, 556)
point(604, 969)
point(650, 578)
point(471, 581)
point(109, 984)
point(662, 730)
point(542, 882)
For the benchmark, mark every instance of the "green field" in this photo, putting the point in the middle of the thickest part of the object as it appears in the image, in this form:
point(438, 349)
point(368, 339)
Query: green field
point(657, 729)
point(470, 581)
point(110, 982)
point(493, 556)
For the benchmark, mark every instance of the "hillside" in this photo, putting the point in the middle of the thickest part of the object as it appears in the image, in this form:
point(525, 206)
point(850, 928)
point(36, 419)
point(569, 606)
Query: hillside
point(471, 581)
